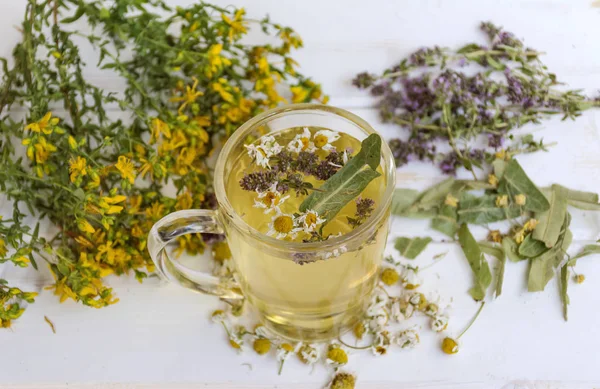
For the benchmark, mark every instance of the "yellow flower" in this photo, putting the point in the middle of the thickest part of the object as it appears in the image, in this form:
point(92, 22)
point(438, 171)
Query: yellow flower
point(520, 199)
point(184, 201)
point(502, 154)
point(3, 249)
point(531, 224)
point(72, 142)
point(502, 201)
point(492, 179)
point(156, 211)
point(337, 356)
point(262, 346)
point(125, 167)
point(158, 127)
point(43, 150)
point(451, 200)
point(190, 96)
point(519, 236)
point(343, 381)
point(216, 61)
point(236, 25)
point(580, 278)
point(85, 226)
point(300, 94)
point(21, 261)
point(449, 346)
point(495, 236)
point(77, 168)
point(63, 290)
point(84, 242)
point(225, 95)
point(389, 276)
point(221, 252)
point(42, 124)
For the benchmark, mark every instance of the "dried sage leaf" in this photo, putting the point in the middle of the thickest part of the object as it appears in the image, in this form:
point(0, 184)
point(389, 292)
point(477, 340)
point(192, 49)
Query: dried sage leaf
point(515, 182)
point(511, 248)
point(541, 271)
point(483, 210)
point(348, 182)
point(551, 221)
point(564, 296)
point(577, 195)
point(402, 199)
point(589, 249)
point(411, 248)
point(584, 205)
point(531, 247)
point(477, 261)
point(499, 165)
point(497, 251)
point(433, 196)
point(446, 221)
point(492, 249)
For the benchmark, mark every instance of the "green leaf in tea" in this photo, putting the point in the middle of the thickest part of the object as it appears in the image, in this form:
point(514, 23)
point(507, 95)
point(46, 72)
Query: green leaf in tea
point(446, 221)
point(348, 182)
point(477, 261)
point(551, 221)
point(531, 247)
point(411, 248)
point(515, 182)
point(483, 210)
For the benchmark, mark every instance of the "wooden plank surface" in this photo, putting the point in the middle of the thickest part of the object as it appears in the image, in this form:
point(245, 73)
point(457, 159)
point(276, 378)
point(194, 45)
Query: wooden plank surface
point(160, 334)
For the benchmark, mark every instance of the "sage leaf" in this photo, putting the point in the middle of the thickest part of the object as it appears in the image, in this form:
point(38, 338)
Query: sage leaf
point(541, 271)
point(471, 185)
point(402, 199)
point(551, 221)
point(584, 205)
point(348, 182)
point(564, 284)
point(446, 221)
point(483, 210)
point(492, 249)
point(514, 182)
point(511, 249)
point(577, 195)
point(477, 261)
point(589, 249)
point(531, 247)
point(496, 251)
point(411, 248)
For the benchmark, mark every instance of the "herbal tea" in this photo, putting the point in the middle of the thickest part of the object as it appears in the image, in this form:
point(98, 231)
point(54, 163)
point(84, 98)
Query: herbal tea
point(307, 185)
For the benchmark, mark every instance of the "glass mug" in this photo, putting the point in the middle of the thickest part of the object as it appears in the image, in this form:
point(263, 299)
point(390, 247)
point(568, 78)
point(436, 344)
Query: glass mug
point(310, 302)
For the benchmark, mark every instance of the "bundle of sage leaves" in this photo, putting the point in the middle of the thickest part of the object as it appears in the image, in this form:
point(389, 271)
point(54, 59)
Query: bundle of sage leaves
point(539, 218)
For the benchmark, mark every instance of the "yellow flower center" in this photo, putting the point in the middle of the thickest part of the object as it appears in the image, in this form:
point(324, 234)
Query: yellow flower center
point(271, 199)
point(338, 356)
point(287, 347)
point(321, 140)
point(311, 219)
point(283, 224)
point(305, 143)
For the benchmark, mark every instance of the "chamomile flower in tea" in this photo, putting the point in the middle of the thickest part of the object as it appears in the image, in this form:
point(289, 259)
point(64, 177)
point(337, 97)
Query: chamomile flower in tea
point(286, 184)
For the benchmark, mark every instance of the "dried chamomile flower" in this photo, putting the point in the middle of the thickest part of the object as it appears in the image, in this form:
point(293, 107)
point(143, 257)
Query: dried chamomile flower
point(284, 350)
point(261, 346)
point(323, 139)
point(261, 153)
point(410, 278)
point(431, 309)
point(377, 313)
point(407, 339)
point(302, 142)
point(439, 323)
point(336, 355)
point(261, 331)
point(343, 381)
point(389, 276)
point(270, 199)
point(449, 346)
point(307, 353)
point(218, 316)
point(418, 300)
point(282, 225)
point(402, 310)
point(381, 343)
point(359, 330)
point(309, 221)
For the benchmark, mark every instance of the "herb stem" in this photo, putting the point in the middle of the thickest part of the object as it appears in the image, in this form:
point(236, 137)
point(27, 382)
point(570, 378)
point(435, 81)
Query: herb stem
point(472, 320)
point(354, 347)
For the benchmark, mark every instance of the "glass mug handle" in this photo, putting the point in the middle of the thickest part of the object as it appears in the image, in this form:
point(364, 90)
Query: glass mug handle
point(181, 223)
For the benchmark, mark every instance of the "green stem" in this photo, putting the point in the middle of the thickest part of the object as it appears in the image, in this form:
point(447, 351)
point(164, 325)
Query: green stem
point(354, 347)
point(472, 320)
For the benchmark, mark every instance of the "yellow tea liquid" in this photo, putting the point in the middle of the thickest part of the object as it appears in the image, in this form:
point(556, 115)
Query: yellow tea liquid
point(319, 299)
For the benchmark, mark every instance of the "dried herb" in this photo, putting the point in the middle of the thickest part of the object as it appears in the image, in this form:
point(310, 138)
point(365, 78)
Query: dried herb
point(590, 249)
point(515, 182)
point(478, 263)
point(410, 248)
point(511, 248)
point(531, 247)
point(550, 221)
point(348, 182)
point(483, 210)
point(402, 199)
point(503, 86)
point(446, 221)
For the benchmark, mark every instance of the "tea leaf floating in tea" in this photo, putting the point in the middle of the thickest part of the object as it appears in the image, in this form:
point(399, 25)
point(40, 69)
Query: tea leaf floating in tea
point(348, 182)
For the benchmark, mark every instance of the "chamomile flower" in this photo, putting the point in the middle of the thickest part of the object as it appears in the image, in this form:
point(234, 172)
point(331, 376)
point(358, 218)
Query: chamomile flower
point(336, 355)
point(302, 142)
point(284, 350)
point(283, 225)
point(270, 199)
point(309, 221)
point(261, 153)
point(261, 331)
point(381, 343)
point(307, 353)
point(407, 339)
point(401, 310)
point(218, 316)
point(410, 278)
point(323, 139)
point(439, 323)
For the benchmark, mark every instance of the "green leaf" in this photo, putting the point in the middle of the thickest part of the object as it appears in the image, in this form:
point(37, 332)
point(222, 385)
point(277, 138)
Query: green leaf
point(577, 195)
point(590, 249)
point(402, 199)
point(514, 182)
point(446, 221)
point(434, 195)
point(541, 271)
point(511, 248)
point(471, 185)
point(483, 210)
point(497, 251)
point(492, 249)
point(411, 248)
point(78, 14)
point(586, 206)
point(531, 247)
point(564, 284)
point(551, 221)
point(348, 182)
point(477, 261)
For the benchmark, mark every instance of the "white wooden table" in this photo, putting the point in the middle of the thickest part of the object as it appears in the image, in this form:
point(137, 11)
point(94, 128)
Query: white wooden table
point(159, 336)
